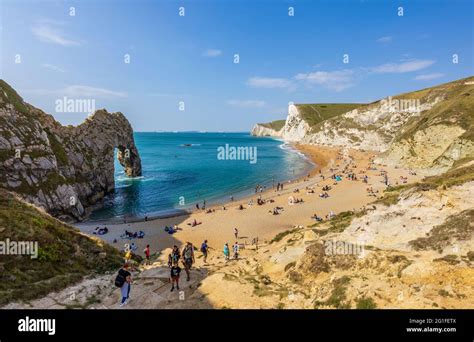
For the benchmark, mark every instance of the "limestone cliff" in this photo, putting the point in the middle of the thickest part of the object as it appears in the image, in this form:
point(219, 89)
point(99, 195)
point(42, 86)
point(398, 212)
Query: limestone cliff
point(431, 129)
point(261, 131)
point(64, 169)
point(271, 129)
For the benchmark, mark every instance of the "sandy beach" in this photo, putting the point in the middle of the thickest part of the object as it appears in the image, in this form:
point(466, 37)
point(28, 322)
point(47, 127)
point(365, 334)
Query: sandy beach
point(258, 221)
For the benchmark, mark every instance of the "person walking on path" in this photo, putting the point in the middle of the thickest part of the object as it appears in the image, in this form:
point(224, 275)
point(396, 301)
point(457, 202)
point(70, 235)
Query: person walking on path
point(174, 276)
point(124, 277)
point(147, 254)
point(204, 250)
point(188, 258)
point(235, 248)
point(174, 256)
point(226, 251)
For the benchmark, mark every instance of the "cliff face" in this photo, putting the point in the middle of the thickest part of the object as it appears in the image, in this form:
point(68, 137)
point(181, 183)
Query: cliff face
point(64, 169)
point(429, 129)
point(261, 131)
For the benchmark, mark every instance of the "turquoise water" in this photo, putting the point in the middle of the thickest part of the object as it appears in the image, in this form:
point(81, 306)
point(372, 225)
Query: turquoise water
point(176, 177)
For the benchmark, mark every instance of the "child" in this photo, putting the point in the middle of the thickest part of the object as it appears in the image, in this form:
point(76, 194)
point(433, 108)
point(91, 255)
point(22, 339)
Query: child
point(147, 254)
point(226, 251)
point(174, 275)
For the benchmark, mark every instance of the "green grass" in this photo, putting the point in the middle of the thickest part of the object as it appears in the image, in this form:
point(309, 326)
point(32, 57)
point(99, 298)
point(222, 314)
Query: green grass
point(365, 303)
point(57, 148)
point(314, 114)
point(275, 125)
point(453, 177)
point(338, 223)
point(9, 95)
point(456, 227)
point(281, 235)
point(456, 108)
point(337, 299)
point(65, 255)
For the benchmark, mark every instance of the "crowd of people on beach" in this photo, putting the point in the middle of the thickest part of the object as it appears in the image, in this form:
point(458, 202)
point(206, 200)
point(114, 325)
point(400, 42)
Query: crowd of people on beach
point(185, 258)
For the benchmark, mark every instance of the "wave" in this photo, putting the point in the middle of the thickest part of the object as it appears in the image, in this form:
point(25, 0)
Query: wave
point(189, 145)
point(287, 147)
point(123, 186)
point(126, 178)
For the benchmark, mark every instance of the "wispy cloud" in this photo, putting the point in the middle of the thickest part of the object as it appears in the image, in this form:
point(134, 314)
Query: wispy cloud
point(398, 68)
point(88, 91)
point(428, 77)
point(212, 53)
point(247, 103)
point(335, 80)
point(53, 67)
point(78, 91)
point(268, 82)
point(49, 32)
point(384, 40)
point(339, 80)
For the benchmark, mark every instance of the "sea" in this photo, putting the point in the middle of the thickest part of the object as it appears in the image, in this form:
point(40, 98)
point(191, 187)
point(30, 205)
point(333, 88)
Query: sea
point(180, 169)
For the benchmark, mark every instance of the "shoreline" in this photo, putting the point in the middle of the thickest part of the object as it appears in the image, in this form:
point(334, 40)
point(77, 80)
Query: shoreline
point(256, 221)
point(317, 162)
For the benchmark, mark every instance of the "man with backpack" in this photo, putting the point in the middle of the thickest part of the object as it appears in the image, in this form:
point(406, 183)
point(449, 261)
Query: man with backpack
point(124, 281)
point(204, 250)
point(188, 258)
point(174, 256)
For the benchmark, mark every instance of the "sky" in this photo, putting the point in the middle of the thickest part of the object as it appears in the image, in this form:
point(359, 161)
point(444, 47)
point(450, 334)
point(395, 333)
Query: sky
point(172, 72)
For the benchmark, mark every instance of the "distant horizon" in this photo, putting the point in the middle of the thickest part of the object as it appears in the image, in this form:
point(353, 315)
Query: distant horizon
point(243, 130)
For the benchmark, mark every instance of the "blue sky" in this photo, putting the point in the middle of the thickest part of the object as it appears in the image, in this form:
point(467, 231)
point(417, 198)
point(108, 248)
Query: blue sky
point(190, 58)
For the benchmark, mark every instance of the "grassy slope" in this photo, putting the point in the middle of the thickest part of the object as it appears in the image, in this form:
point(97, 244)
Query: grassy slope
point(457, 107)
point(65, 255)
point(314, 114)
point(275, 125)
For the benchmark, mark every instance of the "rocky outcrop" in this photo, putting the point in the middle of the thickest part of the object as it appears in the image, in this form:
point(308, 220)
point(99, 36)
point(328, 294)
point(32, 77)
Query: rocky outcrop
point(64, 169)
point(296, 128)
point(260, 130)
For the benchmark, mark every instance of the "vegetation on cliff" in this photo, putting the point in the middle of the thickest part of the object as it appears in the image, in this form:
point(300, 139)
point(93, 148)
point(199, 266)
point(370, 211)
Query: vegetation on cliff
point(64, 256)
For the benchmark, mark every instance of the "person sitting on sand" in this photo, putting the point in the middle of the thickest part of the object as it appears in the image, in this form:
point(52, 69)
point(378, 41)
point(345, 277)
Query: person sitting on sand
point(195, 223)
point(241, 207)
